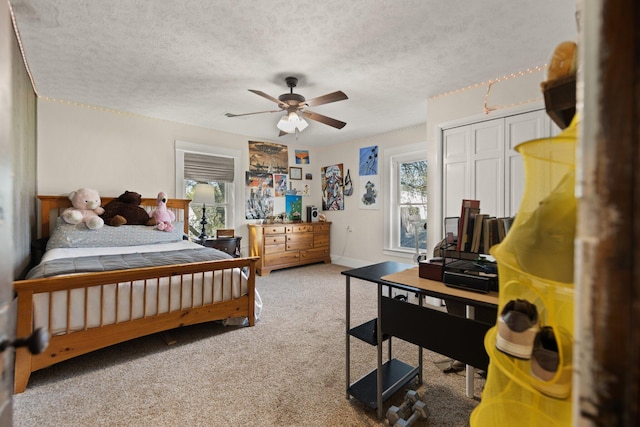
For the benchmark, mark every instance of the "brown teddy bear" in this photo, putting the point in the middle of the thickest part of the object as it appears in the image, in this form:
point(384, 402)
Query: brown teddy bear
point(126, 210)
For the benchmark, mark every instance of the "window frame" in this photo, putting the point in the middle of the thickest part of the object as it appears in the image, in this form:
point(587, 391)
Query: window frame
point(392, 158)
point(231, 189)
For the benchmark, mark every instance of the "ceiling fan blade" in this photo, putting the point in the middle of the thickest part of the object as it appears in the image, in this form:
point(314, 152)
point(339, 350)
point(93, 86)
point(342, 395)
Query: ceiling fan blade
point(249, 114)
point(283, 133)
point(325, 99)
point(269, 97)
point(323, 119)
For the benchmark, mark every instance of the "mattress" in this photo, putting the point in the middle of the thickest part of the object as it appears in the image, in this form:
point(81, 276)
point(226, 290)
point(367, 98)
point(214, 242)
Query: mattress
point(120, 302)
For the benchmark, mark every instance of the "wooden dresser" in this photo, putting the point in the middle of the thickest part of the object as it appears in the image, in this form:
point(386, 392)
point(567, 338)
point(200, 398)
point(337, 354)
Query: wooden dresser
point(289, 245)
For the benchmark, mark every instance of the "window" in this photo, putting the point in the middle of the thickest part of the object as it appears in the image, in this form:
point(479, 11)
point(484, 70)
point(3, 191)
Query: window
point(407, 195)
point(216, 166)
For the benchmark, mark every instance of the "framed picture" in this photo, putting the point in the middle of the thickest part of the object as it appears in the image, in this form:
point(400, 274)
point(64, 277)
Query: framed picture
point(295, 173)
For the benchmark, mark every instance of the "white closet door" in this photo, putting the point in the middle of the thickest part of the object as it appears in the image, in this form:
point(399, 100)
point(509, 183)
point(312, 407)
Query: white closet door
point(520, 128)
point(487, 165)
point(456, 180)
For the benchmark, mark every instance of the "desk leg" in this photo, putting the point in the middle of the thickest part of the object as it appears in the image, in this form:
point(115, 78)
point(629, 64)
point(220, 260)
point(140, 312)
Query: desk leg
point(348, 326)
point(470, 370)
point(379, 333)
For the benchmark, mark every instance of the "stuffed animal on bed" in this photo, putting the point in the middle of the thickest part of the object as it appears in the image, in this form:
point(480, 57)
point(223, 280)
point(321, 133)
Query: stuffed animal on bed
point(126, 209)
point(86, 208)
point(162, 215)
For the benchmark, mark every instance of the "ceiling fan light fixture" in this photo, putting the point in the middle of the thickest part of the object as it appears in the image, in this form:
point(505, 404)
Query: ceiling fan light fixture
point(291, 122)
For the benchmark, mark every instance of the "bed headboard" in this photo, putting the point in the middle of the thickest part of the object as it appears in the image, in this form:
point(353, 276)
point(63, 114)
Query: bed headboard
point(52, 206)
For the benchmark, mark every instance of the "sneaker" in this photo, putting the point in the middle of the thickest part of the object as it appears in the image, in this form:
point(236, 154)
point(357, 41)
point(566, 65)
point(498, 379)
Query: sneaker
point(517, 328)
point(545, 363)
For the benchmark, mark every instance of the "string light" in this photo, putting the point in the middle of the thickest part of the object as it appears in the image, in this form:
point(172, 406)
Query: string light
point(490, 83)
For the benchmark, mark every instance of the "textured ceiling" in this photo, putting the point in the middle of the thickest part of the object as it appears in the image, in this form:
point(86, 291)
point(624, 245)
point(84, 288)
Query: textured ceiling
point(192, 61)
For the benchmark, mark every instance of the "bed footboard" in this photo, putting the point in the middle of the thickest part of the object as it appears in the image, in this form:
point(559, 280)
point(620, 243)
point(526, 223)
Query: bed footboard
point(131, 304)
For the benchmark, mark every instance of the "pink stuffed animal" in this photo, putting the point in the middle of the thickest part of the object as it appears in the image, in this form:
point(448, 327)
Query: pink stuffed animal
point(86, 208)
point(162, 215)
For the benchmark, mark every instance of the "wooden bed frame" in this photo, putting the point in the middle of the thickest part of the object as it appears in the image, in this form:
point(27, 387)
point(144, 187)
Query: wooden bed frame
point(74, 343)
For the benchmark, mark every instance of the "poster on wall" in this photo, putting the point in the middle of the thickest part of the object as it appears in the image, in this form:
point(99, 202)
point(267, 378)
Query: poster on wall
point(268, 157)
point(259, 195)
point(279, 184)
point(368, 161)
point(332, 197)
point(369, 192)
point(302, 157)
point(293, 207)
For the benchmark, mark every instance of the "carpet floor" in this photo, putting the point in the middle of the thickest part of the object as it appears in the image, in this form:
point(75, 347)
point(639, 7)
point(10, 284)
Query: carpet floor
point(288, 370)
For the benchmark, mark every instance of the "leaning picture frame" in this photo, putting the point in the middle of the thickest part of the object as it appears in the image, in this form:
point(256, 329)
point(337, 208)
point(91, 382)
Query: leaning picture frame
point(295, 173)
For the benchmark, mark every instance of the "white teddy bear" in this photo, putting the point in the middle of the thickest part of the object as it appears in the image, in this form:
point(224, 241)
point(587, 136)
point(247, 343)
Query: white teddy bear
point(86, 208)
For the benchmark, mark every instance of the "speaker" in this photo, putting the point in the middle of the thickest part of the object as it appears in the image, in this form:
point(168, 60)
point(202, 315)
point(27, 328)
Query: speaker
point(312, 214)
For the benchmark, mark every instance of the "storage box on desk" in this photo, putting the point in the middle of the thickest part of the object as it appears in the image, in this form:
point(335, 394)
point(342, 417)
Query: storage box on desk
point(430, 270)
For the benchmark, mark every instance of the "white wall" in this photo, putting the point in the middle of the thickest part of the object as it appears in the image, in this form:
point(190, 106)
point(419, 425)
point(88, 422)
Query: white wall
point(364, 244)
point(112, 152)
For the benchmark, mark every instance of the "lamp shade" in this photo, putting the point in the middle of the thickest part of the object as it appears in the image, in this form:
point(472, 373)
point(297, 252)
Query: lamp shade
point(204, 193)
point(292, 121)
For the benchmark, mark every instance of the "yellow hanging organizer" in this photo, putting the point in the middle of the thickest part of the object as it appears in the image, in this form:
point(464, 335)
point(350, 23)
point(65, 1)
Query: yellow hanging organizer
point(535, 263)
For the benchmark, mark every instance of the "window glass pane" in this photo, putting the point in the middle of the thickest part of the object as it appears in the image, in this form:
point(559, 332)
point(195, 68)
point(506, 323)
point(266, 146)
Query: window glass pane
point(412, 220)
point(413, 182)
point(215, 215)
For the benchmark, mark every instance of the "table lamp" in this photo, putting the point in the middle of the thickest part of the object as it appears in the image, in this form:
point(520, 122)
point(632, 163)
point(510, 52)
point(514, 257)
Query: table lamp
point(204, 193)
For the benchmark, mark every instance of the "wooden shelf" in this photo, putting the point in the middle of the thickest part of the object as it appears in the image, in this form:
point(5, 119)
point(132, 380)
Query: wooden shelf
point(560, 99)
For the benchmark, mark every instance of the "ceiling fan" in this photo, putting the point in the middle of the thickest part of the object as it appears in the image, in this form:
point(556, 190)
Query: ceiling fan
point(295, 105)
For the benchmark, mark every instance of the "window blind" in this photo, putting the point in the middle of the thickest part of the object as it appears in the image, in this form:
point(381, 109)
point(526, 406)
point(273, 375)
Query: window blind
point(206, 168)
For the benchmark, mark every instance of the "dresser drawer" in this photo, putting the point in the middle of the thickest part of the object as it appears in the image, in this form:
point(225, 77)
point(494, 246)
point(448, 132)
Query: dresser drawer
point(275, 239)
point(281, 258)
point(301, 229)
point(314, 254)
point(274, 229)
point(320, 240)
point(321, 228)
point(299, 241)
point(274, 249)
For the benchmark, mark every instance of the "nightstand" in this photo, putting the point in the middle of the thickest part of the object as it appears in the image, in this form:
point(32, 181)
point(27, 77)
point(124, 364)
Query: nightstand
point(230, 245)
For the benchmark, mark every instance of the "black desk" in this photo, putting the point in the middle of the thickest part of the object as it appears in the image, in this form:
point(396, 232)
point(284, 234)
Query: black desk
point(454, 336)
point(382, 382)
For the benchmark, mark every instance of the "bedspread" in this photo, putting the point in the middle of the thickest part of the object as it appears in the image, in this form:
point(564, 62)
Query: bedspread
point(96, 263)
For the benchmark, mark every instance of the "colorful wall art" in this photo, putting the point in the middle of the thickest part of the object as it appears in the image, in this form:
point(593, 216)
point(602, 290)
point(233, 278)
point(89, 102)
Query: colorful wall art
point(332, 180)
point(369, 161)
point(302, 157)
point(369, 192)
point(268, 157)
point(294, 207)
point(259, 195)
